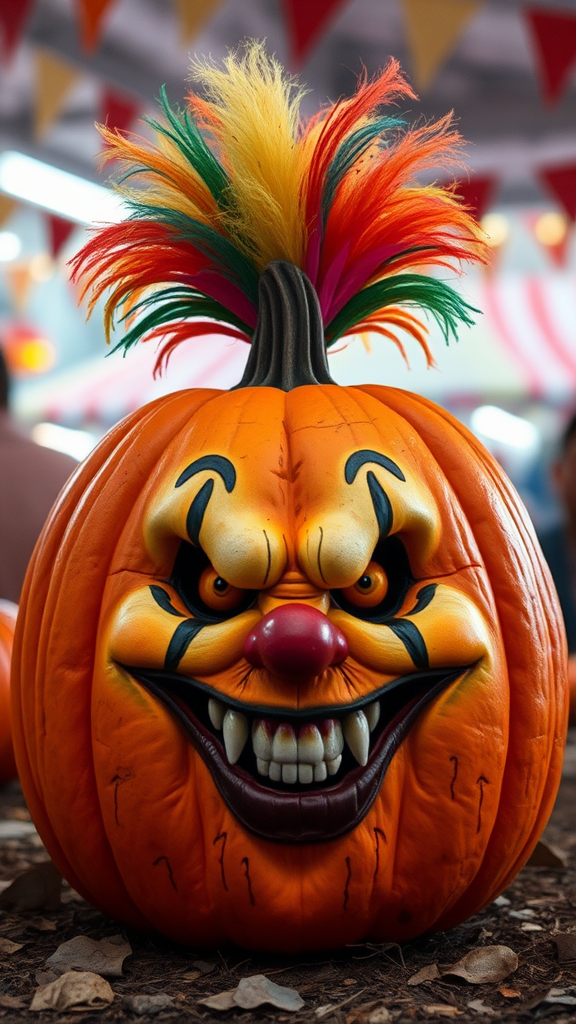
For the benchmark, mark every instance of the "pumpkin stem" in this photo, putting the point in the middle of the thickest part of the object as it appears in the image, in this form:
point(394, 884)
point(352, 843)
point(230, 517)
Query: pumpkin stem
point(288, 347)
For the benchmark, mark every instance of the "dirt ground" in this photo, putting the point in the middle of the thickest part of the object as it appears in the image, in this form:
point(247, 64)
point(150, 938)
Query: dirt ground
point(365, 984)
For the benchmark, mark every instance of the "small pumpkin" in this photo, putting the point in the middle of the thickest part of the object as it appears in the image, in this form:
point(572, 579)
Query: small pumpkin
point(289, 668)
point(8, 612)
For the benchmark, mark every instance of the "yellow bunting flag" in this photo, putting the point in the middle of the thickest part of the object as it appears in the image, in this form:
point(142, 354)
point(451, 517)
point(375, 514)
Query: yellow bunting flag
point(433, 28)
point(54, 78)
point(7, 205)
point(19, 281)
point(192, 15)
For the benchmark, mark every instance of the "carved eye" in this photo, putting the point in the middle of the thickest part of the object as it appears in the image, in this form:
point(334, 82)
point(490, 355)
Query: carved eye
point(370, 589)
point(217, 593)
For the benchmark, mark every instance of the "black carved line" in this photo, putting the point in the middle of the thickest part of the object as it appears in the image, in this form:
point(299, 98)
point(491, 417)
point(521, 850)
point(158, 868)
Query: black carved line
point(346, 887)
point(481, 782)
point(268, 567)
point(454, 759)
point(412, 639)
point(170, 875)
point(163, 599)
point(196, 512)
point(319, 551)
point(246, 864)
point(222, 837)
point(218, 463)
point(382, 506)
point(358, 459)
point(423, 598)
point(377, 833)
point(181, 639)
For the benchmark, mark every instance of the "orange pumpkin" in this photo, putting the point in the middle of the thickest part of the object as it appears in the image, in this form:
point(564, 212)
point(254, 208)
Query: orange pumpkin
point(289, 668)
point(8, 612)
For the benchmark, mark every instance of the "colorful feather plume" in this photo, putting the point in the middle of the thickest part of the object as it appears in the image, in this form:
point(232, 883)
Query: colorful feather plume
point(237, 180)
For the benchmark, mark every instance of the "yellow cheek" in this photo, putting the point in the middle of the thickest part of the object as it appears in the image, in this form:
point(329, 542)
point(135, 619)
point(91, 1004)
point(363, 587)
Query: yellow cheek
point(139, 633)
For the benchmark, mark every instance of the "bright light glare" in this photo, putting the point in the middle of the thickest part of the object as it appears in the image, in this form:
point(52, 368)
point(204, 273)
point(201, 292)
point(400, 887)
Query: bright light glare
point(496, 226)
point(499, 425)
point(58, 191)
point(551, 228)
point(77, 443)
point(10, 246)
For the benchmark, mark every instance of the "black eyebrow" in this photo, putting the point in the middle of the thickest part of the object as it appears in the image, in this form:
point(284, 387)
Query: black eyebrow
point(218, 463)
point(358, 459)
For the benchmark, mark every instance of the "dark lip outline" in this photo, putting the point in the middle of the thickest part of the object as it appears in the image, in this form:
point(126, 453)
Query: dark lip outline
point(313, 816)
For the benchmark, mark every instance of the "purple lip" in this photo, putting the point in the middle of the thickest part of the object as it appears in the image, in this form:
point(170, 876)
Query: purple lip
point(314, 815)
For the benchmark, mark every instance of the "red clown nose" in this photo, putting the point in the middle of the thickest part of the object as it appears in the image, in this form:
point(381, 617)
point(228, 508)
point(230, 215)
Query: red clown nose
point(295, 641)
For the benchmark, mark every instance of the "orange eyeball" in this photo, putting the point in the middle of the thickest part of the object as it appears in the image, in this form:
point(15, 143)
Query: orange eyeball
point(217, 593)
point(370, 589)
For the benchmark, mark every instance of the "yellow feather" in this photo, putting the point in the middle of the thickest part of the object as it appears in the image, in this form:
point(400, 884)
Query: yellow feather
point(256, 108)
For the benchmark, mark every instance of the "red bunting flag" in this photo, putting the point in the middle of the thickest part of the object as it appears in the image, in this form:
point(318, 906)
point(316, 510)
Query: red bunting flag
point(13, 15)
point(554, 36)
point(59, 231)
point(561, 182)
point(118, 110)
point(91, 13)
point(306, 19)
point(477, 193)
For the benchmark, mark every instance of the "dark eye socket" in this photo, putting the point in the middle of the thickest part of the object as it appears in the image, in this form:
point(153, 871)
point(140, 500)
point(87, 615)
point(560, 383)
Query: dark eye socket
point(197, 583)
point(391, 555)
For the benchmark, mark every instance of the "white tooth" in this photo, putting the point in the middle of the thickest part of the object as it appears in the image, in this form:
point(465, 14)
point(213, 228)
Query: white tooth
point(372, 713)
point(333, 766)
point(235, 729)
point(216, 712)
point(284, 745)
point(332, 737)
point(262, 766)
point(320, 771)
point(290, 773)
point(305, 773)
point(275, 771)
point(310, 746)
point(262, 739)
point(357, 735)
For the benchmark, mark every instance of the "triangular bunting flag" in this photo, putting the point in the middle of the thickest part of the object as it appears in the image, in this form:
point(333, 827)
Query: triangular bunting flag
point(433, 28)
point(91, 13)
point(53, 80)
point(19, 280)
point(118, 110)
point(192, 15)
point(305, 21)
point(13, 15)
point(554, 34)
point(561, 182)
point(59, 230)
point(7, 205)
point(477, 192)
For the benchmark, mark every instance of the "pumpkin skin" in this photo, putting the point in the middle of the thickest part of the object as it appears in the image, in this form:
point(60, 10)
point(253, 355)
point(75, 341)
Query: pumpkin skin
point(128, 808)
point(8, 612)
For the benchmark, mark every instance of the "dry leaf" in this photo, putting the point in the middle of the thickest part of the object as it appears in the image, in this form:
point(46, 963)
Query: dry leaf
point(203, 966)
point(148, 1005)
point(257, 990)
point(566, 946)
point(441, 1010)
point(479, 1007)
point(12, 1002)
point(381, 1015)
point(428, 973)
point(74, 989)
point(485, 964)
point(8, 947)
point(509, 993)
point(522, 915)
point(546, 856)
point(529, 926)
point(41, 924)
point(37, 889)
point(103, 956)
point(190, 976)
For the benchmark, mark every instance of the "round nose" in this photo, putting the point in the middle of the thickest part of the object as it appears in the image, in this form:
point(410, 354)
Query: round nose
point(295, 641)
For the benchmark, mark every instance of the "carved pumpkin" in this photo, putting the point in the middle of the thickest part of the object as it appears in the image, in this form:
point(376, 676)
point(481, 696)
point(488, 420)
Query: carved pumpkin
point(289, 669)
point(8, 612)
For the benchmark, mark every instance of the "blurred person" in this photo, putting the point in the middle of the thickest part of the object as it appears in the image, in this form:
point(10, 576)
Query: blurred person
point(559, 546)
point(31, 478)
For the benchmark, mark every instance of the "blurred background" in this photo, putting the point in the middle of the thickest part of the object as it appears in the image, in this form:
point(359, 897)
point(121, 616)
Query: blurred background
point(506, 67)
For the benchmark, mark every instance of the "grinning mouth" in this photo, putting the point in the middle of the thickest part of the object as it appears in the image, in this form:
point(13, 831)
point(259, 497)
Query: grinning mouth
point(297, 777)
